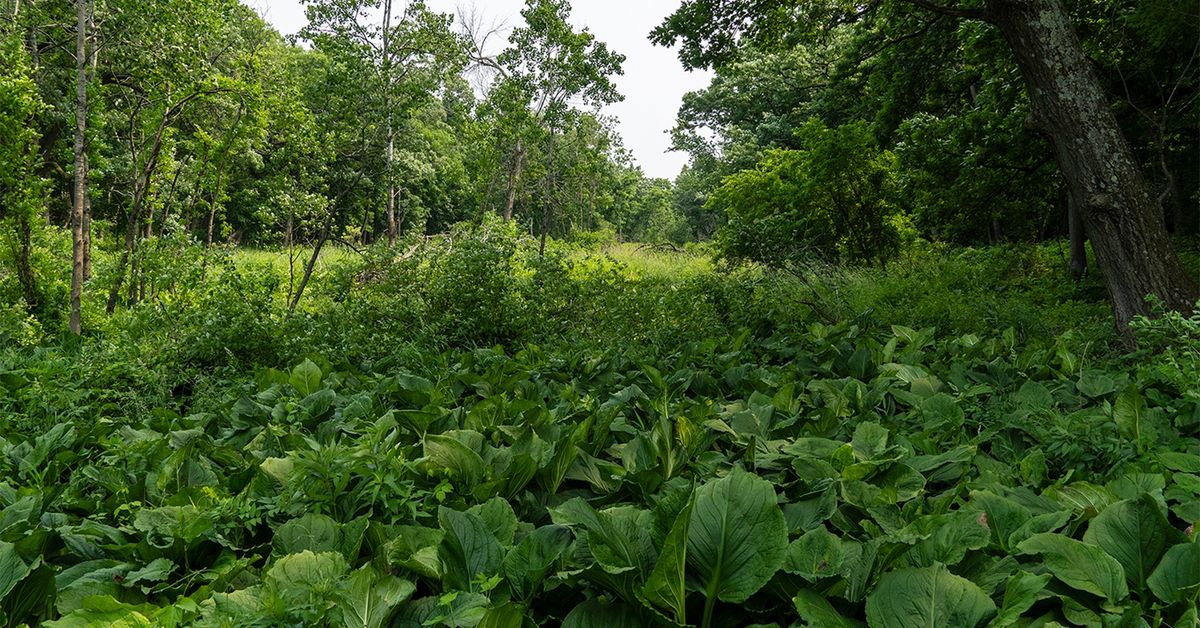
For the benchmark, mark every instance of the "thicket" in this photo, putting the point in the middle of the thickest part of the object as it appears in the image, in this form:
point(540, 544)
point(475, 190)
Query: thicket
point(462, 432)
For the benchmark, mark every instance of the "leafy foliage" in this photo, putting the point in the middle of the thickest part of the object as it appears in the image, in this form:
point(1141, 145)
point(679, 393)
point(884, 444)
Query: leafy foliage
point(738, 472)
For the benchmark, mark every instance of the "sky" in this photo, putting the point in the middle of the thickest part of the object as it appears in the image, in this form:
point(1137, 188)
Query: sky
point(653, 84)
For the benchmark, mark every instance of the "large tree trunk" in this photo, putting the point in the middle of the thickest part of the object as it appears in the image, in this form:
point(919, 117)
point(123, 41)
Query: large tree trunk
point(393, 225)
point(1119, 214)
point(78, 222)
point(1078, 239)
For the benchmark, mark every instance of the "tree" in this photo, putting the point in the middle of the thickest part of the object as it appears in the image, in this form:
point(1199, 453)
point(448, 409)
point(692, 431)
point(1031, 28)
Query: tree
point(403, 57)
point(831, 200)
point(547, 67)
point(1068, 105)
point(78, 211)
point(20, 187)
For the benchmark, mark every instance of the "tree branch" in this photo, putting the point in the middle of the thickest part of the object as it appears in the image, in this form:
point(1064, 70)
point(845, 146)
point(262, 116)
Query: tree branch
point(966, 14)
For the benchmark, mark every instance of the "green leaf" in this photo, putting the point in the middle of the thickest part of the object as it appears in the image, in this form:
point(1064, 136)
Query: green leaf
point(468, 549)
point(870, 441)
point(416, 548)
point(306, 378)
point(1177, 461)
point(158, 570)
point(1136, 533)
point(1080, 565)
point(597, 614)
point(667, 584)
point(619, 538)
point(369, 600)
point(444, 453)
point(815, 555)
point(12, 568)
point(941, 413)
point(314, 532)
point(1023, 590)
point(1004, 516)
point(506, 616)
point(817, 611)
point(737, 538)
point(947, 538)
point(535, 556)
point(925, 597)
point(497, 514)
point(1095, 383)
point(1177, 577)
point(296, 575)
point(102, 611)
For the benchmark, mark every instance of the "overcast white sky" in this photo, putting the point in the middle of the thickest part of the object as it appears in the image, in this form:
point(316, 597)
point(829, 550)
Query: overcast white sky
point(653, 85)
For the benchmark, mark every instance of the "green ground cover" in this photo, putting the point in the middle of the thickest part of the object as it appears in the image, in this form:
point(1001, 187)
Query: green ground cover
point(470, 434)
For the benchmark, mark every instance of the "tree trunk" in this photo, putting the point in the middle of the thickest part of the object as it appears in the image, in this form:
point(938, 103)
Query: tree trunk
point(78, 213)
point(322, 238)
point(514, 175)
point(1119, 214)
point(24, 263)
point(1078, 240)
point(393, 225)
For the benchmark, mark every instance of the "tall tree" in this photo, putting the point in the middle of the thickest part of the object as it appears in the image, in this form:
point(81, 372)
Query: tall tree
point(83, 11)
point(404, 53)
point(1068, 104)
point(547, 67)
point(20, 187)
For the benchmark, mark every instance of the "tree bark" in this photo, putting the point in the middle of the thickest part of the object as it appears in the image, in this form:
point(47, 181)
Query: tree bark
point(1119, 214)
point(78, 213)
point(1078, 239)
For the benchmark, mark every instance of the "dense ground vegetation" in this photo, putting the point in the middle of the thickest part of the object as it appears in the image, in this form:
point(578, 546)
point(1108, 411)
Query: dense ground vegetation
point(355, 329)
point(467, 433)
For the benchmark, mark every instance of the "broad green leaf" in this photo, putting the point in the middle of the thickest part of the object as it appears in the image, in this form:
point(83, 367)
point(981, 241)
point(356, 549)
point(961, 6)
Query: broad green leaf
point(870, 441)
point(1177, 577)
point(597, 614)
point(164, 525)
point(1177, 461)
point(315, 532)
point(941, 413)
point(369, 599)
point(497, 514)
point(667, 585)
point(1129, 412)
point(444, 454)
point(926, 597)
point(1095, 383)
point(506, 616)
point(297, 574)
point(306, 378)
point(534, 557)
point(468, 549)
point(1004, 516)
point(1136, 533)
point(12, 568)
point(817, 611)
point(815, 555)
point(1080, 565)
point(1023, 590)
point(619, 538)
point(946, 539)
point(102, 611)
point(158, 570)
point(416, 548)
point(737, 538)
